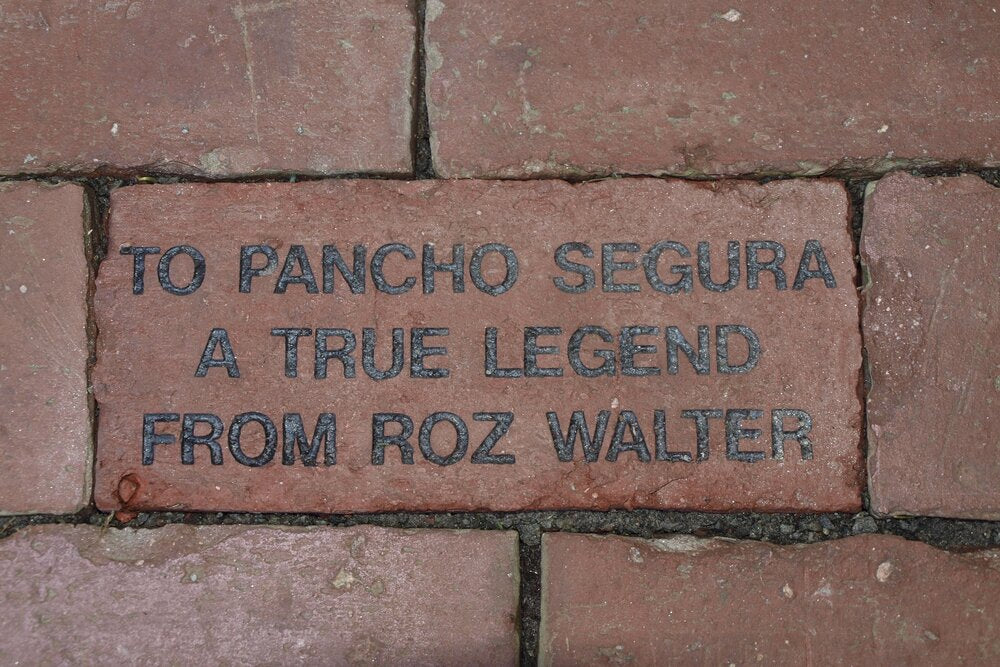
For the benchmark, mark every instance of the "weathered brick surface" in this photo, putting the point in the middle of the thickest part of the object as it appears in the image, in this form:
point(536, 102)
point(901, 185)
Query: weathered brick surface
point(45, 454)
point(261, 595)
point(150, 346)
point(931, 326)
point(796, 86)
point(683, 600)
point(223, 87)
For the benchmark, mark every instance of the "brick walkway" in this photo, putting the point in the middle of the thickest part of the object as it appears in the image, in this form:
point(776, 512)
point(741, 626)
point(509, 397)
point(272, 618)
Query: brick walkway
point(499, 333)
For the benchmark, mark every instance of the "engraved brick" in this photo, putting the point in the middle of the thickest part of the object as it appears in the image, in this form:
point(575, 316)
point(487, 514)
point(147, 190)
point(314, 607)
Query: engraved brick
point(684, 600)
point(151, 347)
point(931, 325)
point(45, 452)
point(218, 88)
point(258, 595)
point(696, 88)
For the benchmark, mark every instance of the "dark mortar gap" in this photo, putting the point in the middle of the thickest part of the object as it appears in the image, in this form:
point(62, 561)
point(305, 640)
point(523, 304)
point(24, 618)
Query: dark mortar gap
point(530, 608)
point(97, 194)
point(778, 528)
point(423, 163)
point(991, 176)
point(942, 170)
point(423, 166)
point(856, 193)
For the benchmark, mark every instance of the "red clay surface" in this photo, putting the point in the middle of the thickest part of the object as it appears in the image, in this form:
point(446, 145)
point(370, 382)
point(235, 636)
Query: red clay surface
point(931, 323)
point(692, 88)
point(258, 595)
point(684, 600)
point(150, 346)
point(45, 452)
point(211, 88)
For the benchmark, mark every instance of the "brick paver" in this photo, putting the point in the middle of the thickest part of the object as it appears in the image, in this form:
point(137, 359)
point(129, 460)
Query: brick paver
point(219, 87)
point(258, 595)
point(45, 453)
point(931, 323)
point(694, 88)
point(683, 600)
point(752, 416)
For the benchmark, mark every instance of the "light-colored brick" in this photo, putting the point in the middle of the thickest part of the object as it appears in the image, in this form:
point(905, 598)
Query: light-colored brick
point(45, 452)
point(210, 87)
point(258, 595)
point(682, 600)
point(931, 248)
point(694, 88)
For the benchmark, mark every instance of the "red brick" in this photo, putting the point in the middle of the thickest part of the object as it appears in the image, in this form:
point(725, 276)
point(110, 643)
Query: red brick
point(258, 595)
point(691, 88)
point(216, 88)
point(150, 346)
point(931, 325)
point(45, 452)
point(683, 600)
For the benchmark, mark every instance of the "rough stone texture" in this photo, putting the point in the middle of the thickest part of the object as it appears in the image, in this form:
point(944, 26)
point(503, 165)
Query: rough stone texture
point(693, 88)
point(150, 346)
point(239, 596)
point(931, 324)
point(45, 452)
point(684, 600)
point(222, 88)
